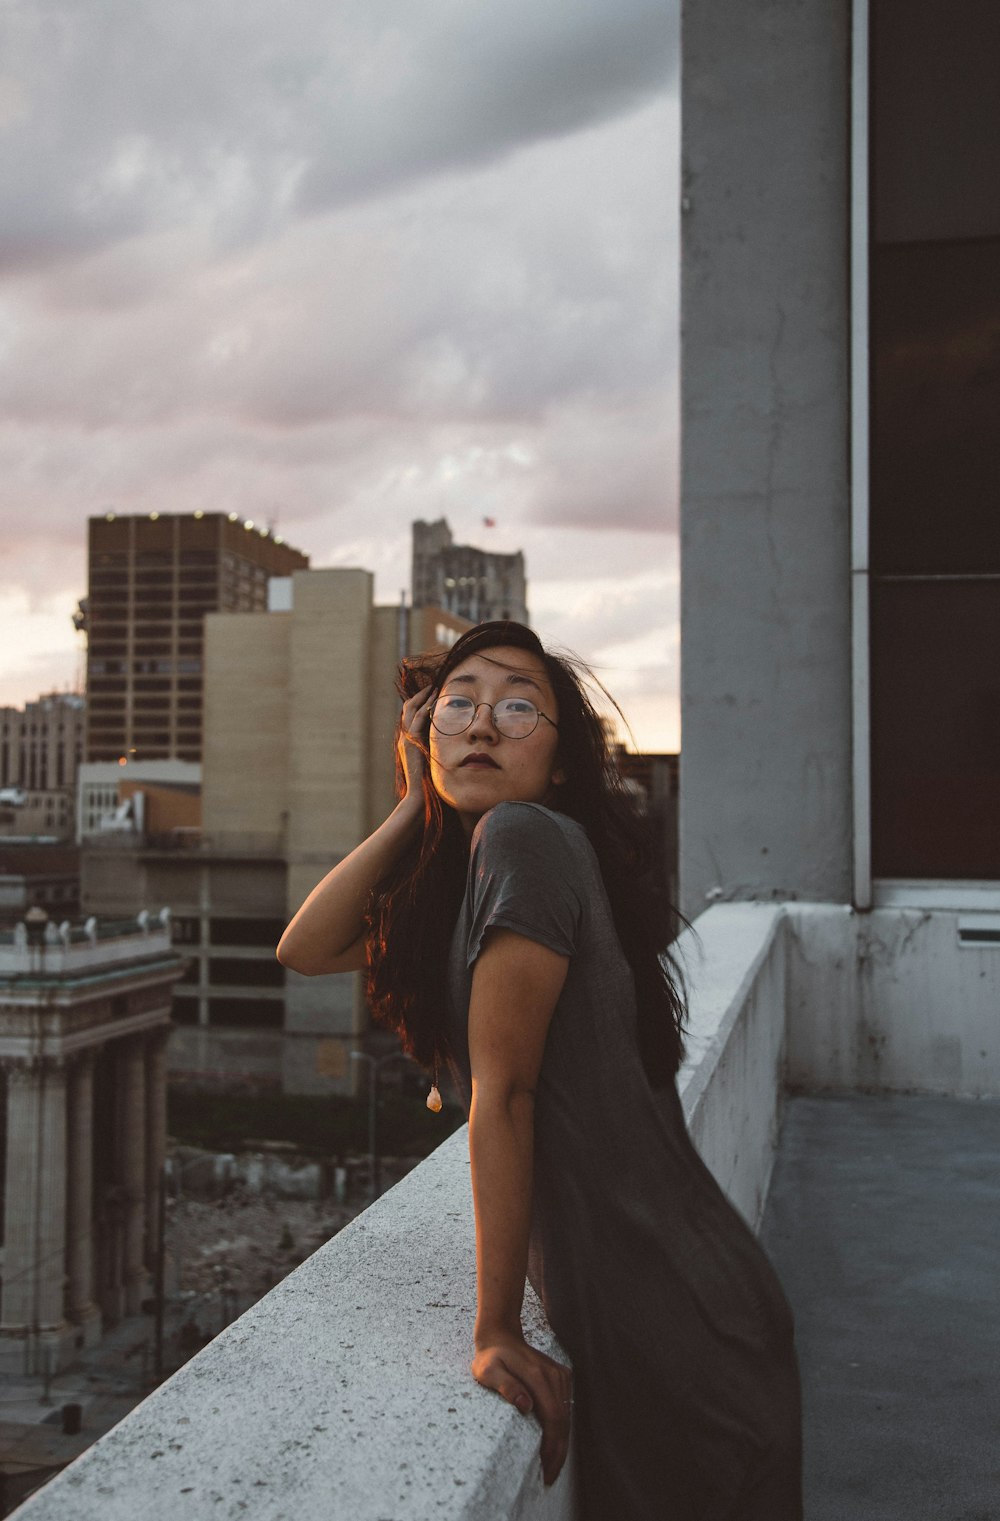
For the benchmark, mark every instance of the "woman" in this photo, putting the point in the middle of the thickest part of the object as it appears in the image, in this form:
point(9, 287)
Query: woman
point(502, 916)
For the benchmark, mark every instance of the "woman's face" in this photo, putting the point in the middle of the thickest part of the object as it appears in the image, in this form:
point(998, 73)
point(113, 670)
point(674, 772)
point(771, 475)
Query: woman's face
point(474, 770)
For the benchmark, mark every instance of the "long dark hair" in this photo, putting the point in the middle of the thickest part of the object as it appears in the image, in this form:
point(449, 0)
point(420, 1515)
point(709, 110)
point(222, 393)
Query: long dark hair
point(412, 911)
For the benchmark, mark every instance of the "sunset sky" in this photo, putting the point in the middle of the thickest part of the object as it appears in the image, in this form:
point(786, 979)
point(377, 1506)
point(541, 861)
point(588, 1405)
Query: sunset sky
point(336, 266)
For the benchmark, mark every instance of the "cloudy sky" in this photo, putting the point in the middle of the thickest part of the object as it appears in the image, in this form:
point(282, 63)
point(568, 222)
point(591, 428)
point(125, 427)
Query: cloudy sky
point(338, 264)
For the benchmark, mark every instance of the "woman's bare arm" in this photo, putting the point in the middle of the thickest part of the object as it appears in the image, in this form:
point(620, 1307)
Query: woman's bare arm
point(328, 932)
point(515, 987)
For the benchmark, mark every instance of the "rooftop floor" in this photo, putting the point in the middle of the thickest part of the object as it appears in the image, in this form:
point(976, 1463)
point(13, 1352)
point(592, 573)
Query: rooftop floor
point(882, 1220)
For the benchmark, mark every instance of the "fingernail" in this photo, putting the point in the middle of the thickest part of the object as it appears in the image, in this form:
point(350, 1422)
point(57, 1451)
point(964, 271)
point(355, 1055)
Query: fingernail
point(523, 1403)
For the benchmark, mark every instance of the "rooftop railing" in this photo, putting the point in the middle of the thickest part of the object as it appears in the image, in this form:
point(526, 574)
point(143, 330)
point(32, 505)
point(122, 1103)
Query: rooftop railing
point(63, 948)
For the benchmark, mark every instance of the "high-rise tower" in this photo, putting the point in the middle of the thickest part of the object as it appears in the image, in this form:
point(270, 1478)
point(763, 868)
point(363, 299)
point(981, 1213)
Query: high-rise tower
point(152, 579)
point(467, 582)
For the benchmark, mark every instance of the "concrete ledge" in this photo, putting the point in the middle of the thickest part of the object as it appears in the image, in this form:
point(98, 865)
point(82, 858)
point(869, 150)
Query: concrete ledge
point(346, 1392)
point(731, 1081)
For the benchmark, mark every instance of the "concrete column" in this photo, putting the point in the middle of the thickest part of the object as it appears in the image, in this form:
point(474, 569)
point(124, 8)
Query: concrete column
point(24, 1109)
point(34, 1276)
point(79, 1198)
point(131, 1079)
point(156, 1135)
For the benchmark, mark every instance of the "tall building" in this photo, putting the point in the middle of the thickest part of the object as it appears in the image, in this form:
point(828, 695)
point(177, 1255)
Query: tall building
point(294, 775)
point(41, 744)
point(469, 583)
point(41, 747)
point(151, 581)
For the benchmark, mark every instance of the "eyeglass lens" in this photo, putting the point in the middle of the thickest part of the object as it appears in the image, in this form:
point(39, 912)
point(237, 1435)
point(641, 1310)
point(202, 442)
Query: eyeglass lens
point(514, 717)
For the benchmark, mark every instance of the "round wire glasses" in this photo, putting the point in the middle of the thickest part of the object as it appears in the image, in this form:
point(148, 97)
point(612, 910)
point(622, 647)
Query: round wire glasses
point(514, 717)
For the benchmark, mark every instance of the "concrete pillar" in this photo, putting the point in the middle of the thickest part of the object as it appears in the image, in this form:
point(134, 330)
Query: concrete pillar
point(24, 1096)
point(156, 1136)
point(131, 1079)
point(34, 1276)
point(79, 1198)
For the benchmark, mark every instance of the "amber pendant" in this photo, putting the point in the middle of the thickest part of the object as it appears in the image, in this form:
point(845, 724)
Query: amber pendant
point(434, 1099)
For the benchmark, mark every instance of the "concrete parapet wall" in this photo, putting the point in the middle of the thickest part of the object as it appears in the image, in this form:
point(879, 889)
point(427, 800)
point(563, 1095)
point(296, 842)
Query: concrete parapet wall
point(344, 1393)
point(732, 1078)
point(892, 1000)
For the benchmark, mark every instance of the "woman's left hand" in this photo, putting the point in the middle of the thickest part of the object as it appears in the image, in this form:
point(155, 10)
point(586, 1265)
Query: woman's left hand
point(530, 1380)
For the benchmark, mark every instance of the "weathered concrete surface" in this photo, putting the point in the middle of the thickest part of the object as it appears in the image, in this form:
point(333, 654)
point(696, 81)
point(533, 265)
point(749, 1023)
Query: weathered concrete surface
point(731, 1081)
point(882, 1221)
point(765, 606)
point(344, 1394)
point(890, 1000)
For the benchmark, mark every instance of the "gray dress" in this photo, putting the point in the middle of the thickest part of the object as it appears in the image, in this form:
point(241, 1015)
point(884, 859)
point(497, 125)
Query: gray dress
point(685, 1379)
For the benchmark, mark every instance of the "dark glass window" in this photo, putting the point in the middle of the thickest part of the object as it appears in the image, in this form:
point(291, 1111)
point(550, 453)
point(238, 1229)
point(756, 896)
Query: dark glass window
point(258, 973)
point(184, 1009)
point(258, 1012)
point(264, 932)
point(935, 439)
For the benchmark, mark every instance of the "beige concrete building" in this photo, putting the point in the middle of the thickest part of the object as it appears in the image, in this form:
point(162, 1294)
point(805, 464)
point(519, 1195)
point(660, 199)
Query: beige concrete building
point(46, 816)
point(41, 744)
point(300, 710)
point(84, 1020)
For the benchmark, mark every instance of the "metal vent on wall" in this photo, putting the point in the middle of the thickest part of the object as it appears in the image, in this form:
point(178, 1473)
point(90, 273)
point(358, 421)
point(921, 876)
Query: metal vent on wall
point(979, 929)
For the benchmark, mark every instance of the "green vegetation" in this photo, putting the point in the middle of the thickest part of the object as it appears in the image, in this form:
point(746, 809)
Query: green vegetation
point(316, 1125)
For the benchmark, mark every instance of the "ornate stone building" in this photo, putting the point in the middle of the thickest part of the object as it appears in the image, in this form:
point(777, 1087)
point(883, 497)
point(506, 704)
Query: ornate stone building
point(475, 584)
point(84, 1022)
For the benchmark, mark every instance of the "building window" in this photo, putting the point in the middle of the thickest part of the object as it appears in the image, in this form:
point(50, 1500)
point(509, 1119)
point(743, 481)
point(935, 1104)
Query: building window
point(935, 465)
point(184, 1009)
point(259, 1013)
point(256, 973)
point(259, 932)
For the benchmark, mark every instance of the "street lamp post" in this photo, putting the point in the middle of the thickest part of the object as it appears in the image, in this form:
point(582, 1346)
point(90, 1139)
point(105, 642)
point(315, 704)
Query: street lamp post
point(375, 1065)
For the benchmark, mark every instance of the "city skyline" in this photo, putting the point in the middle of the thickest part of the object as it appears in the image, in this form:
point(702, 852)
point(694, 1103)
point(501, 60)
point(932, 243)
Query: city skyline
point(322, 278)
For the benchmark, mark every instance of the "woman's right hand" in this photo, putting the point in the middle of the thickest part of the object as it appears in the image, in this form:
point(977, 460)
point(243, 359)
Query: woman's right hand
point(414, 726)
point(530, 1380)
